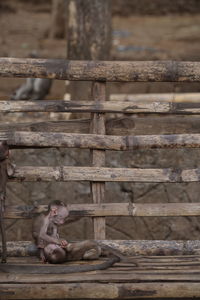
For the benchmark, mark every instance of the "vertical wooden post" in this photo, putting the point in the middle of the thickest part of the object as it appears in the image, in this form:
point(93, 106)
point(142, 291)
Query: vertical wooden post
point(98, 158)
point(3, 179)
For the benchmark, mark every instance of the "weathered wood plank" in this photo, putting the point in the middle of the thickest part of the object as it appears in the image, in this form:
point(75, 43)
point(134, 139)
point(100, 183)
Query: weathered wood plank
point(112, 209)
point(30, 173)
point(101, 70)
point(129, 276)
point(134, 125)
point(69, 126)
point(98, 157)
point(152, 97)
point(128, 247)
point(118, 273)
point(153, 124)
point(131, 107)
point(123, 266)
point(100, 290)
point(25, 139)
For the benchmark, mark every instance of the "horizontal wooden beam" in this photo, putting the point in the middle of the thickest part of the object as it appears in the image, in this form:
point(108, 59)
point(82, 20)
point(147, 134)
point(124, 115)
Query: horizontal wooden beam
point(25, 139)
point(100, 290)
point(134, 125)
point(169, 71)
point(131, 107)
point(153, 97)
point(128, 247)
point(179, 268)
point(76, 126)
point(111, 209)
point(33, 173)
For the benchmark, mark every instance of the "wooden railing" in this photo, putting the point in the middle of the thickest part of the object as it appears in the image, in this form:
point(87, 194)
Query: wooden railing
point(99, 134)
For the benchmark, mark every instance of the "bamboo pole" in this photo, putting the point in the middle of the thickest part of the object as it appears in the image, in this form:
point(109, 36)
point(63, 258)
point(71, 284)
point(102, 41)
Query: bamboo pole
point(166, 71)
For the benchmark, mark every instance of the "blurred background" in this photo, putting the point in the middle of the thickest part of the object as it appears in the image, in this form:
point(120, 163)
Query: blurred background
point(138, 30)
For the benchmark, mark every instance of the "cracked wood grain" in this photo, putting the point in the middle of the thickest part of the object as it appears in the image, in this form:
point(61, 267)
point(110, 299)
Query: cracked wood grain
point(141, 71)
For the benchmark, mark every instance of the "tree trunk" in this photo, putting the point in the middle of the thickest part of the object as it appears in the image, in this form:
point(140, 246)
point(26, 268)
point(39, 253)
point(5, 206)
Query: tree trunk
point(88, 37)
point(58, 19)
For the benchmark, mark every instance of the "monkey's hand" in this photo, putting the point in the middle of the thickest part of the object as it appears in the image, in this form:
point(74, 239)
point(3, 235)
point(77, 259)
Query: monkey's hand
point(69, 247)
point(42, 256)
point(63, 243)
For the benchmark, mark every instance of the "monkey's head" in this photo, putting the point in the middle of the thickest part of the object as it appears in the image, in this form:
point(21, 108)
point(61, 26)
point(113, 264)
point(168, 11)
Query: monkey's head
point(54, 254)
point(58, 212)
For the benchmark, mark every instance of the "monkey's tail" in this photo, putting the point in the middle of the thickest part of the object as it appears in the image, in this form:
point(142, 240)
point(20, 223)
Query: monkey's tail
point(57, 269)
point(109, 251)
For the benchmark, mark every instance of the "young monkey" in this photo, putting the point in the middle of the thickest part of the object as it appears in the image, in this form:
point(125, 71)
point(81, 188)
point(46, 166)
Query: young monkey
point(45, 226)
point(55, 250)
point(86, 250)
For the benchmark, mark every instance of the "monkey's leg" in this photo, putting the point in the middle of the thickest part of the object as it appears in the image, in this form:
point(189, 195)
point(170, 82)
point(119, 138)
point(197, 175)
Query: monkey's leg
point(83, 250)
point(92, 254)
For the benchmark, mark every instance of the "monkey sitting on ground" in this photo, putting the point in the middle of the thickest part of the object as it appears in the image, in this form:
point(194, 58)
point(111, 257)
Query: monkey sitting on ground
point(55, 250)
point(45, 226)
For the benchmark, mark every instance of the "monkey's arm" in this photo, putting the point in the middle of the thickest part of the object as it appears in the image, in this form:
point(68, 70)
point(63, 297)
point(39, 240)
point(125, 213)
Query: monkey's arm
point(48, 238)
point(55, 232)
point(42, 235)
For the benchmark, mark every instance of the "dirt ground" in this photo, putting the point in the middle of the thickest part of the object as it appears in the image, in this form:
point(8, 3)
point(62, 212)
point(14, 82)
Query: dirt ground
point(23, 32)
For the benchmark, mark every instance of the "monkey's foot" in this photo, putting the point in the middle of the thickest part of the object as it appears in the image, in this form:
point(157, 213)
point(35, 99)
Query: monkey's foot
point(91, 254)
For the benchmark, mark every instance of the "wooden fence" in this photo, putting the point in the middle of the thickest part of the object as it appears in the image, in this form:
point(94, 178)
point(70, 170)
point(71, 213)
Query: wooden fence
point(100, 135)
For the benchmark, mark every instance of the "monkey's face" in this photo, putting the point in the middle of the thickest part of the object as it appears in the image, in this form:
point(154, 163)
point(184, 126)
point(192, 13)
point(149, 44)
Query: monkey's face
point(54, 253)
point(61, 215)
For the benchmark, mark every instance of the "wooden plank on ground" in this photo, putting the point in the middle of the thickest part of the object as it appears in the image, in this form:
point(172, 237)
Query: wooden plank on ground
point(169, 71)
point(118, 273)
point(100, 290)
point(127, 276)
